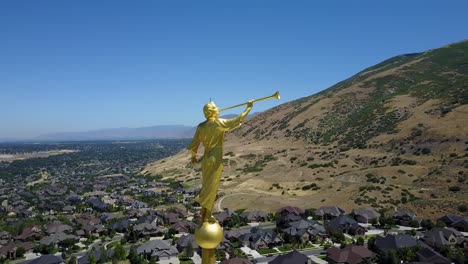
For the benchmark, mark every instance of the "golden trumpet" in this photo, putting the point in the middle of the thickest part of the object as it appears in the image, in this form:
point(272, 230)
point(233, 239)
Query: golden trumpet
point(275, 95)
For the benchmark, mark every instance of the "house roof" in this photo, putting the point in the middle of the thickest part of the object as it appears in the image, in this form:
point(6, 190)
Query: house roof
point(330, 210)
point(45, 259)
point(57, 227)
point(291, 210)
point(450, 219)
point(236, 261)
point(293, 257)
point(431, 256)
point(154, 246)
point(56, 238)
point(300, 224)
point(351, 254)
point(184, 240)
point(254, 214)
point(395, 242)
point(368, 213)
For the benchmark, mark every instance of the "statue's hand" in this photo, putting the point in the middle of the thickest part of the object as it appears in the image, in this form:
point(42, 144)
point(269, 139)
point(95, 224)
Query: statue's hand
point(250, 104)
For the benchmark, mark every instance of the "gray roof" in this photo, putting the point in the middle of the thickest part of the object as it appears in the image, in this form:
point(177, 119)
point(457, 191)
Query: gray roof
point(157, 248)
point(330, 210)
point(395, 242)
point(56, 238)
point(45, 259)
point(368, 213)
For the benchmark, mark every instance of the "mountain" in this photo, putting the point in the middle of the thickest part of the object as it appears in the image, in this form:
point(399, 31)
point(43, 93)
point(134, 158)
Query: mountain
point(393, 136)
point(163, 131)
point(125, 133)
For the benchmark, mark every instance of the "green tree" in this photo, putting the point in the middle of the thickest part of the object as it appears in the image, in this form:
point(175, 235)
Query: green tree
point(91, 259)
point(72, 260)
point(20, 252)
point(220, 255)
point(134, 257)
point(389, 257)
point(188, 252)
point(360, 241)
point(119, 252)
point(104, 257)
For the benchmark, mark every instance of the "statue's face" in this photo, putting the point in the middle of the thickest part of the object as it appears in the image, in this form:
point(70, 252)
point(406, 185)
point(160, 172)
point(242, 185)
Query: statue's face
point(211, 110)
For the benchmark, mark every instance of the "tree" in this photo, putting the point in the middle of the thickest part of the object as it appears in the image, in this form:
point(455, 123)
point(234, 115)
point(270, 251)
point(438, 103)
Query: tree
point(119, 252)
point(389, 257)
point(20, 252)
point(91, 259)
point(360, 241)
point(104, 257)
point(414, 223)
point(72, 260)
point(220, 255)
point(188, 252)
point(134, 257)
point(427, 224)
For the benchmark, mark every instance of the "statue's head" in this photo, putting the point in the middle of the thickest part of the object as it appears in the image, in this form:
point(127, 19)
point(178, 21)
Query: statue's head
point(210, 110)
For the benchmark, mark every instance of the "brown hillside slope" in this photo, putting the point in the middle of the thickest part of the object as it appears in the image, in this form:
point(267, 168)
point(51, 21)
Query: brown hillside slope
point(393, 136)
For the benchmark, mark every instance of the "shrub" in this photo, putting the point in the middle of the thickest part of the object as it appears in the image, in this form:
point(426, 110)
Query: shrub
point(454, 188)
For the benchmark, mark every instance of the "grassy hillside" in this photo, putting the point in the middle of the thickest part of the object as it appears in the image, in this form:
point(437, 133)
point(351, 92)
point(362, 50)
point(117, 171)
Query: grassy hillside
point(393, 136)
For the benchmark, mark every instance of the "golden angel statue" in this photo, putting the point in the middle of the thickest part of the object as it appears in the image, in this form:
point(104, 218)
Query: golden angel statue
point(211, 134)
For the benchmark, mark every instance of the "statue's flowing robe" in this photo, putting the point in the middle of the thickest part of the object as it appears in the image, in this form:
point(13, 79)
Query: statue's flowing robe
point(211, 134)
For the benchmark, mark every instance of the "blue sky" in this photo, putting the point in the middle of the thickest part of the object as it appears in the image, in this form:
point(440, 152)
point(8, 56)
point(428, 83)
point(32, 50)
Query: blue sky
point(84, 65)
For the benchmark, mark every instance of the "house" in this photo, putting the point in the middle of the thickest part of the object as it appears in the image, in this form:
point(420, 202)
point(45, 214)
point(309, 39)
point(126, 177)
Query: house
point(365, 215)
point(68, 209)
point(87, 219)
point(234, 235)
point(449, 220)
point(121, 226)
point(148, 230)
point(97, 204)
point(260, 238)
point(45, 259)
point(107, 217)
point(97, 254)
point(299, 231)
point(461, 225)
point(56, 238)
point(4, 235)
point(30, 233)
point(159, 249)
point(285, 219)
point(58, 227)
point(351, 254)
point(404, 218)
point(429, 255)
point(291, 210)
point(151, 219)
point(184, 240)
point(183, 226)
point(255, 216)
point(236, 260)
point(293, 257)
point(346, 225)
point(329, 212)
point(394, 242)
point(441, 237)
point(8, 251)
point(224, 217)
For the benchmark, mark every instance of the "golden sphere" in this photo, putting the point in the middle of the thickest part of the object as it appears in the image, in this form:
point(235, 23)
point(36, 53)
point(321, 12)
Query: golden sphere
point(209, 235)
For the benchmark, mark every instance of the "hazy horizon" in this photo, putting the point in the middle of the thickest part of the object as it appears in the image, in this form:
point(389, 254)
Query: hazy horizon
point(82, 66)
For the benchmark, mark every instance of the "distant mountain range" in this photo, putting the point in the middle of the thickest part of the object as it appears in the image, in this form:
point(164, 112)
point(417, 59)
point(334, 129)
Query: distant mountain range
point(124, 133)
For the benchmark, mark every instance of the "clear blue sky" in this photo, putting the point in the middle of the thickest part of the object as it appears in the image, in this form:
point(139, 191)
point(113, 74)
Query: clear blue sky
point(84, 65)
